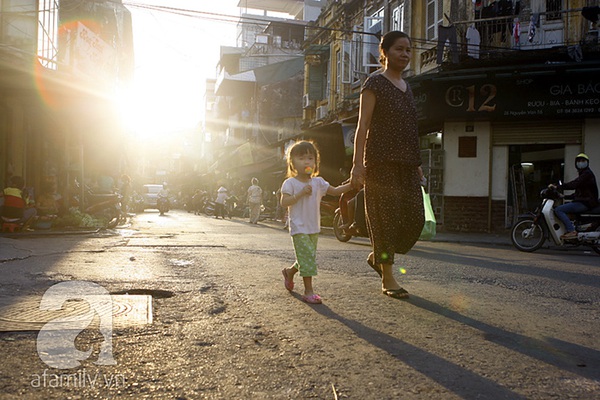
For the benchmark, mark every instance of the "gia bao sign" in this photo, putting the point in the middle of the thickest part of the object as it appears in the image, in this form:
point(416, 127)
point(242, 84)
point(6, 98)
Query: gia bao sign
point(560, 95)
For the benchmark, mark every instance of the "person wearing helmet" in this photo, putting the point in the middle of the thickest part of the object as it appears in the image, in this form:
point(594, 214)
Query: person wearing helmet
point(583, 199)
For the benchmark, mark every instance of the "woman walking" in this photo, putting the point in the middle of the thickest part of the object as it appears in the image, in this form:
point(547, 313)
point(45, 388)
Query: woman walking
point(387, 159)
point(254, 201)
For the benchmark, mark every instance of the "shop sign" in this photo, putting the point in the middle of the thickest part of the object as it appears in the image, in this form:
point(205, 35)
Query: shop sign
point(518, 96)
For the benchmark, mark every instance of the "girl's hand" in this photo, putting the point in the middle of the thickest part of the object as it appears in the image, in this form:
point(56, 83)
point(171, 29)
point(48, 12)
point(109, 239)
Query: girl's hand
point(357, 176)
point(306, 190)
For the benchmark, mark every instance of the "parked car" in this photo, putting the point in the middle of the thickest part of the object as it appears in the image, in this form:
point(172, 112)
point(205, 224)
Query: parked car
point(150, 194)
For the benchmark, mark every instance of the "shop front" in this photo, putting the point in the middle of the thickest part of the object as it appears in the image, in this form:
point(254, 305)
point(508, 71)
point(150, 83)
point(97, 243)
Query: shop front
point(506, 135)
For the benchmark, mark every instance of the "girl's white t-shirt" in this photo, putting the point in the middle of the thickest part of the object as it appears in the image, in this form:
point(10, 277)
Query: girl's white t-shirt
point(305, 215)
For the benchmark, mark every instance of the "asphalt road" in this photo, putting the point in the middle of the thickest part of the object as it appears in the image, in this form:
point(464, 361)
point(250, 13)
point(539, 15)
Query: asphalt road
point(484, 321)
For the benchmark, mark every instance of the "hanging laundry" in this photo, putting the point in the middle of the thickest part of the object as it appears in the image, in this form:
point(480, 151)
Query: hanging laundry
point(517, 32)
point(473, 41)
point(533, 24)
point(447, 33)
point(575, 53)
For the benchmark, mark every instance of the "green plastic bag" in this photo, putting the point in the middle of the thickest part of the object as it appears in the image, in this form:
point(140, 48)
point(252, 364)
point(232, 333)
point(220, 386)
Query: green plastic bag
point(428, 231)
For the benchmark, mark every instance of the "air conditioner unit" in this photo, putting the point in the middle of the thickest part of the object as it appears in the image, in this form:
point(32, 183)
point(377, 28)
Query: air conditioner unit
point(306, 103)
point(322, 112)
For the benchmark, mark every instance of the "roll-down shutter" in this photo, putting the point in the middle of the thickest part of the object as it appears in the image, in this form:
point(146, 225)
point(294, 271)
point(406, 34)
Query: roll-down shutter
point(537, 132)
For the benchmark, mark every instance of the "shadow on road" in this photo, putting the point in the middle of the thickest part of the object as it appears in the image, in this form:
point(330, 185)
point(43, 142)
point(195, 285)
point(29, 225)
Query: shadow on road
point(462, 382)
point(570, 357)
point(501, 265)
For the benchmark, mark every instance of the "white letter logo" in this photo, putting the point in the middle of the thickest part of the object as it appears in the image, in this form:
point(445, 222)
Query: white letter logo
point(56, 339)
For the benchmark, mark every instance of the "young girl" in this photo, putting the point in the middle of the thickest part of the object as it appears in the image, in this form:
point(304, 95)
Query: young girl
point(302, 192)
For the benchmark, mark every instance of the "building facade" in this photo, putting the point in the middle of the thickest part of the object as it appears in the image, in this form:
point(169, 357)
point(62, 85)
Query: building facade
point(507, 94)
point(60, 63)
point(258, 92)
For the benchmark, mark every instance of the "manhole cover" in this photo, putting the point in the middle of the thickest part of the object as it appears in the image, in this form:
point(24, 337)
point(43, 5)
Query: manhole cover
point(24, 314)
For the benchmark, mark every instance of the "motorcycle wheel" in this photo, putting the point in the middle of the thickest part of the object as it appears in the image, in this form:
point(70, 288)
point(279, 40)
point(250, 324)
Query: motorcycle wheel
point(113, 218)
point(338, 231)
point(596, 248)
point(527, 236)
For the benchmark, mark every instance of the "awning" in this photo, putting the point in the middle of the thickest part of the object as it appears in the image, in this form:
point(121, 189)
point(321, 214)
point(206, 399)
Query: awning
point(292, 7)
point(241, 156)
point(230, 85)
point(262, 167)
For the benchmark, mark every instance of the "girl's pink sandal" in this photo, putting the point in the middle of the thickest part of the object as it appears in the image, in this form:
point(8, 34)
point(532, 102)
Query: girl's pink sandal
point(287, 282)
point(312, 299)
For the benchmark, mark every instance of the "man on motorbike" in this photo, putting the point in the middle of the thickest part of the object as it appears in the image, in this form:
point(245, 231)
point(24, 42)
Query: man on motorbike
point(162, 199)
point(583, 199)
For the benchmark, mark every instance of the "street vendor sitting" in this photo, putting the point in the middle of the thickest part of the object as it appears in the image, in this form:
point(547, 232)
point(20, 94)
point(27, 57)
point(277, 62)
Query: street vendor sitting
point(15, 204)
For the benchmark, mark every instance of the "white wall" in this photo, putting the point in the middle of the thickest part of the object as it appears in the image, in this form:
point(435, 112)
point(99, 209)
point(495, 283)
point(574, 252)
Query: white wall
point(466, 176)
point(591, 145)
point(499, 172)
point(571, 151)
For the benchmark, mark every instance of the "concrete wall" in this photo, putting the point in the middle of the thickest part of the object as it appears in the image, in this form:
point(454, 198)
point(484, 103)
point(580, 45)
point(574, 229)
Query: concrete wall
point(499, 172)
point(466, 176)
point(591, 145)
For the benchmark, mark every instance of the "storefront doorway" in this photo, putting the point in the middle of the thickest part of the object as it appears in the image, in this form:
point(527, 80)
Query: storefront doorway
point(533, 167)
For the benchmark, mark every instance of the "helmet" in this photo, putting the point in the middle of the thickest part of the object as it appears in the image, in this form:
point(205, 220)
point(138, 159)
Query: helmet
point(582, 161)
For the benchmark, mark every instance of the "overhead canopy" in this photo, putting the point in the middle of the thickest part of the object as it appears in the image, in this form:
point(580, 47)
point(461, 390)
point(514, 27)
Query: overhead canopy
point(292, 7)
point(229, 85)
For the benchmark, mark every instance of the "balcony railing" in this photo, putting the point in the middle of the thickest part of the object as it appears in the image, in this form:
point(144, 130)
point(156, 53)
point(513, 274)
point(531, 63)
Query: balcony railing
point(509, 36)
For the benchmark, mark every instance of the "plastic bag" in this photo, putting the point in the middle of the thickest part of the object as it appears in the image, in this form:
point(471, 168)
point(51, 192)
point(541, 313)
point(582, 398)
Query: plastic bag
point(428, 231)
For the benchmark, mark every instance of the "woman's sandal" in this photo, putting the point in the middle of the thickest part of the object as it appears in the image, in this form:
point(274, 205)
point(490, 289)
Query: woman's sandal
point(395, 293)
point(372, 264)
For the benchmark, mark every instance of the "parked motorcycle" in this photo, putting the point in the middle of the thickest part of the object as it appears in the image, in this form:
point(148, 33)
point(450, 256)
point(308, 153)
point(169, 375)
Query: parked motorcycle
point(104, 206)
point(209, 207)
point(530, 233)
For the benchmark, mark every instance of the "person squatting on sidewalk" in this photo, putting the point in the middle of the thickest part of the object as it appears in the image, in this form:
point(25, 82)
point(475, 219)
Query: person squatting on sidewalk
point(302, 192)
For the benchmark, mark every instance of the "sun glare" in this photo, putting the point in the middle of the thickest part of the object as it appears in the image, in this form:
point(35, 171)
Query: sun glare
point(151, 113)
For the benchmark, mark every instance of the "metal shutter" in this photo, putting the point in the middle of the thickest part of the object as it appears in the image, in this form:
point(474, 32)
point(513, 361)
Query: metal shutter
point(537, 132)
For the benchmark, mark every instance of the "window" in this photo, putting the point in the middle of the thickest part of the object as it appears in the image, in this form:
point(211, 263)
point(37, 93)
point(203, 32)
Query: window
point(48, 32)
point(18, 25)
point(553, 8)
point(338, 71)
point(346, 62)
point(467, 146)
point(398, 18)
point(435, 15)
point(373, 25)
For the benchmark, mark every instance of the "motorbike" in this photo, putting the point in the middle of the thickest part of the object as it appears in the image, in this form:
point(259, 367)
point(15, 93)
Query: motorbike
point(162, 203)
point(105, 206)
point(358, 228)
point(533, 229)
point(209, 207)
